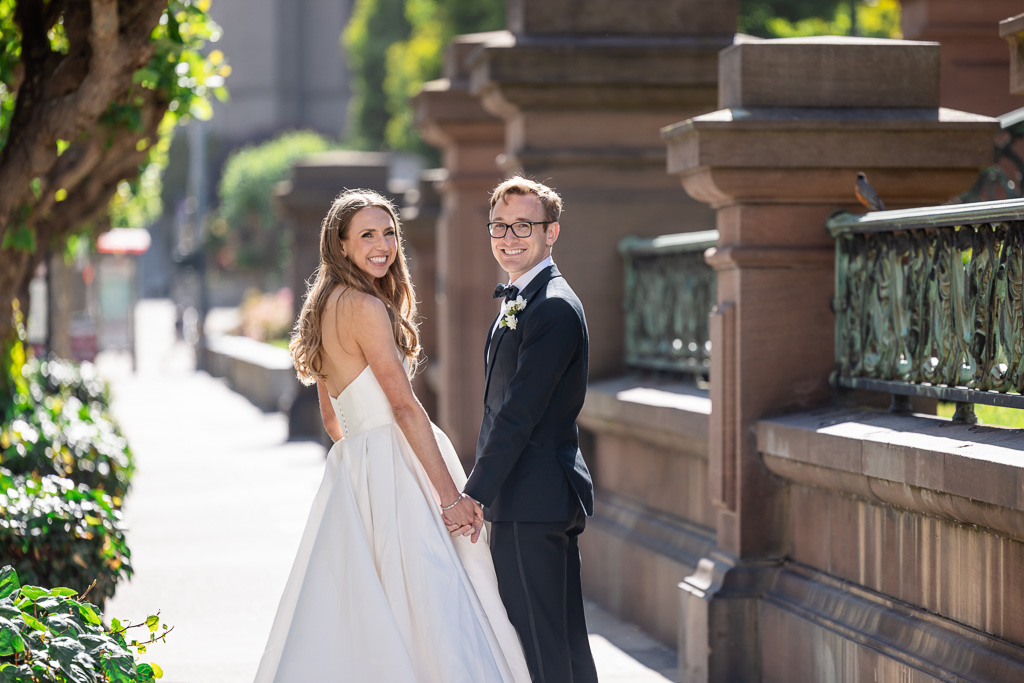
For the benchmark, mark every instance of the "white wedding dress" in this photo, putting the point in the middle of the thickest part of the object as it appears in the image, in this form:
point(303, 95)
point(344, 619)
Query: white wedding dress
point(380, 592)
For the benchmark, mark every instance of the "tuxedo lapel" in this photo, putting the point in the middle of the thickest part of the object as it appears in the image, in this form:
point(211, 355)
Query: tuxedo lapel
point(494, 340)
point(491, 332)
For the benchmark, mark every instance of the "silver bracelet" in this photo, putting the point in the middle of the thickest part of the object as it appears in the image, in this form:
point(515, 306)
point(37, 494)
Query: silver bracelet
point(445, 508)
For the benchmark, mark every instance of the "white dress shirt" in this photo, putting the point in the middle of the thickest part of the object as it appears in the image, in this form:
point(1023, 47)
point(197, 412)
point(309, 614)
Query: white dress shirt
point(522, 282)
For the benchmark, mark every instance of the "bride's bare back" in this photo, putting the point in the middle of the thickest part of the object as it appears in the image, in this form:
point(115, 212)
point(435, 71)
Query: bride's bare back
point(343, 359)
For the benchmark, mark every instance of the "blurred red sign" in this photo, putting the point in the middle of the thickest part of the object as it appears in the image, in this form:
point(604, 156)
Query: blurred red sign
point(123, 241)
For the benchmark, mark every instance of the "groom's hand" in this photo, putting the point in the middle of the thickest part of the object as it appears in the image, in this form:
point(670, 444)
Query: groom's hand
point(464, 518)
point(478, 521)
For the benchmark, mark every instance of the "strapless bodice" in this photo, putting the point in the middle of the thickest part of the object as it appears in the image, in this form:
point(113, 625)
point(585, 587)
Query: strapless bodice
point(362, 405)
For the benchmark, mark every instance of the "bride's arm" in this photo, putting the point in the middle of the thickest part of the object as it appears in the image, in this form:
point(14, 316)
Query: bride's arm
point(327, 413)
point(371, 329)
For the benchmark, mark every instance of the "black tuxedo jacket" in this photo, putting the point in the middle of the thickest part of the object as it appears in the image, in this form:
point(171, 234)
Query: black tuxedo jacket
point(528, 463)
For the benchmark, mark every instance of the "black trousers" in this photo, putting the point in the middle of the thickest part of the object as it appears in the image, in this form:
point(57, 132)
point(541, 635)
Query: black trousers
point(538, 568)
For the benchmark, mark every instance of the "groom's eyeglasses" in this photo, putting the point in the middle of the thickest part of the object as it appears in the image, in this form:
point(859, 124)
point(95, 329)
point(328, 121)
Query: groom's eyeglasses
point(521, 229)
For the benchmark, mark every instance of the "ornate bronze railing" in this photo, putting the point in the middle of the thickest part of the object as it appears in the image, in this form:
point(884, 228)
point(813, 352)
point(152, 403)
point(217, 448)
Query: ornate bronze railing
point(930, 302)
point(669, 293)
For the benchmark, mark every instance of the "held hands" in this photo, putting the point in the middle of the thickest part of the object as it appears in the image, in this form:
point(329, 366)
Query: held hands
point(464, 518)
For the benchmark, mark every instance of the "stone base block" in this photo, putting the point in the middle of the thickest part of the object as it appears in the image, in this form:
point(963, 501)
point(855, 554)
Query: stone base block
point(718, 629)
point(633, 560)
point(816, 628)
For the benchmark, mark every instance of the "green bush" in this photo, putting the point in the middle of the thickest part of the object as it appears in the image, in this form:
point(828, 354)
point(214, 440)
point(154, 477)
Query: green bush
point(49, 636)
point(245, 234)
point(64, 469)
point(56, 533)
point(58, 422)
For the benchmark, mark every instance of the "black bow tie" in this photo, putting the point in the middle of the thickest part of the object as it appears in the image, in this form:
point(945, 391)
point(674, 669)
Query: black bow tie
point(510, 293)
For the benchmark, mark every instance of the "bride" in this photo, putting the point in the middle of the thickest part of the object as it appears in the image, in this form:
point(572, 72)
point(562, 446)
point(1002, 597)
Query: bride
point(389, 583)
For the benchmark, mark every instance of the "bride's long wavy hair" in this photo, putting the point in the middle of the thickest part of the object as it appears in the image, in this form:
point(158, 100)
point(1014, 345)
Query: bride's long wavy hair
point(394, 289)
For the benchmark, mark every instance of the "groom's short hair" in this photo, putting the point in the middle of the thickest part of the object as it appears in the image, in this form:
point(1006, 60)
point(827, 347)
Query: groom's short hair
point(550, 202)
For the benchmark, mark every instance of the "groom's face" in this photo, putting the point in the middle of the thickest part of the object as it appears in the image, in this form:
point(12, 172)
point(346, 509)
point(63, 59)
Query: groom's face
point(517, 255)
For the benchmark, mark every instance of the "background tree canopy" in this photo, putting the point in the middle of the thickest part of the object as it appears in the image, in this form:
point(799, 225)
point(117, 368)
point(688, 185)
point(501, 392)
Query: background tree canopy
point(90, 92)
point(793, 18)
point(394, 47)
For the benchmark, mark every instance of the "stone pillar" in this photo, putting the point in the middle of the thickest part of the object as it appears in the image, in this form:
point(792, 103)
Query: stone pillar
point(449, 118)
point(303, 202)
point(420, 211)
point(974, 66)
point(780, 155)
point(1012, 30)
point(583, 91)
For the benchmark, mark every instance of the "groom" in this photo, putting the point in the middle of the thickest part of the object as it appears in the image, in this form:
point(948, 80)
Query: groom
point(529, 473)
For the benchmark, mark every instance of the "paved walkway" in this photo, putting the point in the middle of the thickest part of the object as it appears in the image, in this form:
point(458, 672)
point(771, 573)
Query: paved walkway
point(214, 518)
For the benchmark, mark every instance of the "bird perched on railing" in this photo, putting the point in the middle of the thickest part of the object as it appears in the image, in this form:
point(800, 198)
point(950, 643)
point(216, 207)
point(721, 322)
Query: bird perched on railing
point(866, 194)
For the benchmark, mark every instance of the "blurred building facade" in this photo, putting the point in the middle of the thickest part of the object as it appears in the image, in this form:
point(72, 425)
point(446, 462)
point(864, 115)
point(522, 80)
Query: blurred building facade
point(288, 69)
point(288, 72)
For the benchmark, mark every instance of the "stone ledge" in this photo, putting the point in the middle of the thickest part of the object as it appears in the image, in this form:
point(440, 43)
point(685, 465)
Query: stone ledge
point(912, 638)
point(261, 372)
point(972, 474)
point(670, 414)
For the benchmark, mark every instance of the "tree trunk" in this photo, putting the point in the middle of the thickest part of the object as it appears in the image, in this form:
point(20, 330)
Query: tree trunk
point(51, 190)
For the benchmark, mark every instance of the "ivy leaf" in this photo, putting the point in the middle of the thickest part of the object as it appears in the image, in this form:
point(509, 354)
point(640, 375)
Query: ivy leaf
point(89, 614)
point(69, 653)
point(153, 622)
point(33, 593)
point(33, 622)
point(62, 624)
point(10, 640)
point(8, 581)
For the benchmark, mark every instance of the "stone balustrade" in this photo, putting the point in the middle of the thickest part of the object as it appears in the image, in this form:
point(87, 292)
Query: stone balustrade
point(669, 293)
point(930, 302)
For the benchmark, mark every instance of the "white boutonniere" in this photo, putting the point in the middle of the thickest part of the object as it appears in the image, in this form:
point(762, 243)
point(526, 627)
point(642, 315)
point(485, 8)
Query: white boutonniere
point(512, 310)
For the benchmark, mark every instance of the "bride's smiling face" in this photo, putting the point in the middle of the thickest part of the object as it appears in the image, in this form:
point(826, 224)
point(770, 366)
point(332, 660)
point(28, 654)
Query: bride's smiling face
point(372, 241)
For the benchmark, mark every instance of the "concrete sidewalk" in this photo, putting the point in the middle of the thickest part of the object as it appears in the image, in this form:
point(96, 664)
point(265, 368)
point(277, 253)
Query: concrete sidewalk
point(214, 517)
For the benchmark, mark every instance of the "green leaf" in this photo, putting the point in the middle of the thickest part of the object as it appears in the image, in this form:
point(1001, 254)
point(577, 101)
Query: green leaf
point(10, 640)
point(20, 238)
point(147, 76)
point(153, 622)
point(8, 581)
point(172, 27)
point(89, 614)
point(63, 624)
point(33, 622)
point(33, 592)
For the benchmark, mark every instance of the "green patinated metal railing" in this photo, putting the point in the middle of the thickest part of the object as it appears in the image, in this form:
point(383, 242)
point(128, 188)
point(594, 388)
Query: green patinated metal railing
point(670, 291)
point(930, 302)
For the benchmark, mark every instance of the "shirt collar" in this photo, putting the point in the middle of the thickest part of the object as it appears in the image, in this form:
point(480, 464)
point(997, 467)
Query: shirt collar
point(524, 280)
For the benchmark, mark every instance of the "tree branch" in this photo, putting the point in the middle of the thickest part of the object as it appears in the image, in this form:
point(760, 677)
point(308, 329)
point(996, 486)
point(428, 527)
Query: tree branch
point(39, 121)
